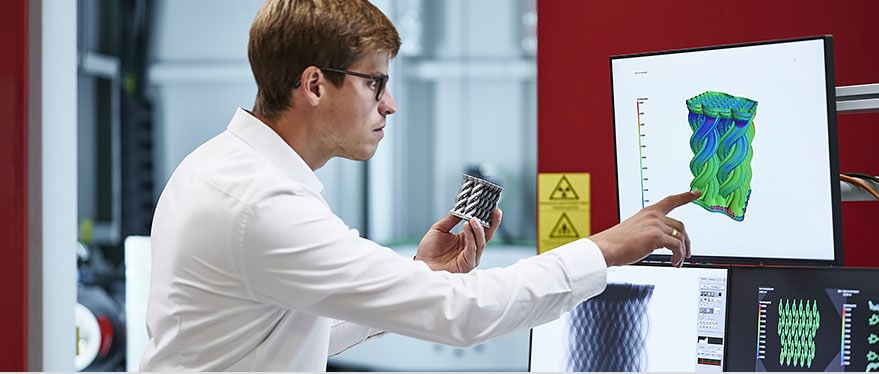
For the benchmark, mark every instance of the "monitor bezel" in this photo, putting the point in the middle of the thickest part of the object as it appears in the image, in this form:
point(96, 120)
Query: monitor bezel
point(833, 150)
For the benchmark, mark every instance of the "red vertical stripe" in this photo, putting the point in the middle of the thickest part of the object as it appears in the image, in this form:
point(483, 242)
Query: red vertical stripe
point(13, 184)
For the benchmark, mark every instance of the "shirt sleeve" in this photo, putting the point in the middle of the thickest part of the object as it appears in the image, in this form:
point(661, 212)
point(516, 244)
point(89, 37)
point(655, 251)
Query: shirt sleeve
point(344, 335)
point(298, 254)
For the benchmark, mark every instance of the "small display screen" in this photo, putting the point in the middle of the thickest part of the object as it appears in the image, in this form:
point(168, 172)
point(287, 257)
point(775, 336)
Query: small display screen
point(803, 319)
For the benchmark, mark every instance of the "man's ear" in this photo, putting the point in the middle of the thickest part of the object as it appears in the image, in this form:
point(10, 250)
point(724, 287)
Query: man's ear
point(311, 79)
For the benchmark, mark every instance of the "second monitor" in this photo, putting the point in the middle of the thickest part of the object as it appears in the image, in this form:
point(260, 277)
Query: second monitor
point(803, 319)
point(649, 318)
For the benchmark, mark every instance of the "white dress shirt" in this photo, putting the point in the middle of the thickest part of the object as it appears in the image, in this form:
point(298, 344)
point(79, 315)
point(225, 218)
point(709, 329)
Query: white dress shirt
point(252, 271)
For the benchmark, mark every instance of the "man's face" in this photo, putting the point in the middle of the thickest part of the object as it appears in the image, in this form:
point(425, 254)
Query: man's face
point(355, 121)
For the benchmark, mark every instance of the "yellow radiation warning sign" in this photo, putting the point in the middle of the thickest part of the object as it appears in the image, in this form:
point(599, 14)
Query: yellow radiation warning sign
point(563, 209)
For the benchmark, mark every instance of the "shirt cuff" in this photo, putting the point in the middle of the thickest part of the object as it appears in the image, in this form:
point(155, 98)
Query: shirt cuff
point(585, 267)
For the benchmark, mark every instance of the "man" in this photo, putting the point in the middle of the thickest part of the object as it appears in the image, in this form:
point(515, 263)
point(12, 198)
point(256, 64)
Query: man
point(252, 271)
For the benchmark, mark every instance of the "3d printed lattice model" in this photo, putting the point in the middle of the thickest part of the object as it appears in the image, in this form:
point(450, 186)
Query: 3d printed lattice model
point(477, 199)
point(798, 324)
point(608, 332)
point(723, 128)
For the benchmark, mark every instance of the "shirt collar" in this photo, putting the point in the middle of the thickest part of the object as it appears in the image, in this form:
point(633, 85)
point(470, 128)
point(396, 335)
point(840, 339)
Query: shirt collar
point(267, 143)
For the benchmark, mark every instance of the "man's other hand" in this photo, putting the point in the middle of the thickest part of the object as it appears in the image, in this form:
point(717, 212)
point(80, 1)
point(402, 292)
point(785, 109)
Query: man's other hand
point(440, 249)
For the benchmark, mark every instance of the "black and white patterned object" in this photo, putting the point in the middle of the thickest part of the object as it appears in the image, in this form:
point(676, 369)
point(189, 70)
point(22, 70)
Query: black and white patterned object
point(477, 199)
point(608, 332)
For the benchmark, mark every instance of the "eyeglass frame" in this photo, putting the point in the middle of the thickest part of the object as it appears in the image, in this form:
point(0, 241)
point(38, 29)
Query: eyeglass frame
point(380, 80)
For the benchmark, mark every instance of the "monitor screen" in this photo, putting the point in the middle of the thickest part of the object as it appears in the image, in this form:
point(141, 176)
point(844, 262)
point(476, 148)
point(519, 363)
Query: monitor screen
point(803, 319)
point(753, 126)
point(650, 318)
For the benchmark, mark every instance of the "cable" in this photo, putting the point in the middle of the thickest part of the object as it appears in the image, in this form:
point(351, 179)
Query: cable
point(860, 183)
point(857, 181)
point(864, 176)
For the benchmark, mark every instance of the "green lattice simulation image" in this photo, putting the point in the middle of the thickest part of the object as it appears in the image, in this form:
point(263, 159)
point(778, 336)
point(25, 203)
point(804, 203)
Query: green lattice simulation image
point(798, 323)
point(723, 128)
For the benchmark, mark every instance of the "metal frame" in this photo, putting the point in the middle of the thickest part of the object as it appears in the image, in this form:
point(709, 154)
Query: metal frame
point(862, 98)
point(858, 98)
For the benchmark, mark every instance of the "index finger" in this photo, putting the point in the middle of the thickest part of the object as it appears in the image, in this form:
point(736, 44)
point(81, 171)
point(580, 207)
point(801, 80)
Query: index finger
point(671, 202)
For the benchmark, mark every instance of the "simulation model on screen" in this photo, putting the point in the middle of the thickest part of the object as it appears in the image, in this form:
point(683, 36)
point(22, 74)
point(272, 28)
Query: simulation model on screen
point(723, 127)
point(649, 318)
point(803, 319)
point(753, 126)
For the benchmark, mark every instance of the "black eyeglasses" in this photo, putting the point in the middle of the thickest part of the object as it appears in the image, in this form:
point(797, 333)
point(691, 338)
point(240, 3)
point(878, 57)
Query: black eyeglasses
point(378, 81)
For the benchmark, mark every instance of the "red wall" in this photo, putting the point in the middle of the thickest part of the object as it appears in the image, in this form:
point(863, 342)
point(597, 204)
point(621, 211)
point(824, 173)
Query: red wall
point(13, 184)
point(576, 38)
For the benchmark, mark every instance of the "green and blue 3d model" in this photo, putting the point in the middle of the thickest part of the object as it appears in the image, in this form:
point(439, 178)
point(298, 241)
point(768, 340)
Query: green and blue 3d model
point(723, 128)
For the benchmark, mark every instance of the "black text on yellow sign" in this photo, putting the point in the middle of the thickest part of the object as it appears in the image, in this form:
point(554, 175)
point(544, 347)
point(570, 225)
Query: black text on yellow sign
point(563, 209)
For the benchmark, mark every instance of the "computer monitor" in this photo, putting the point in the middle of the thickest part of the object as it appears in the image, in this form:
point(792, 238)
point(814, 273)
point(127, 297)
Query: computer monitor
point(753, 126)
point(650, 318)
point(803, 319)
